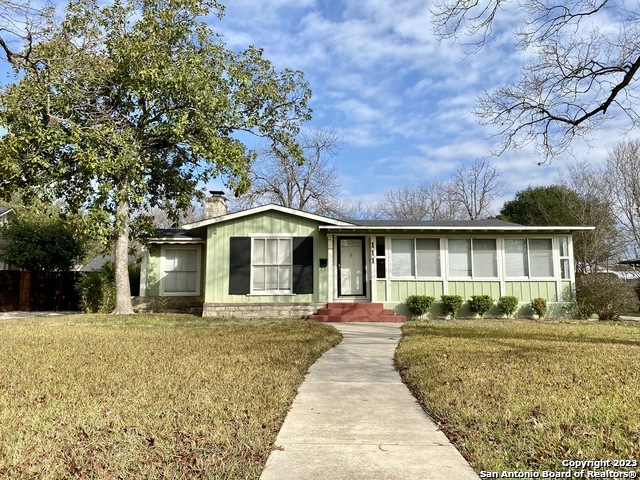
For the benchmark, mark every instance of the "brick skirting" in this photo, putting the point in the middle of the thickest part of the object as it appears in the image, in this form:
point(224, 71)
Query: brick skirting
point(260, 310)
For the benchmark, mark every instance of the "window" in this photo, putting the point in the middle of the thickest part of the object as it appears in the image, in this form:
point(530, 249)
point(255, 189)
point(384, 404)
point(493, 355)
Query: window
point(565, 272)
point(473, 257)
point(516, 257)
point(181, 272)
point(529, 257)
point(415, 257)
point(402, 257)
point(271, 264)
point(381, 262)
point(540, 257)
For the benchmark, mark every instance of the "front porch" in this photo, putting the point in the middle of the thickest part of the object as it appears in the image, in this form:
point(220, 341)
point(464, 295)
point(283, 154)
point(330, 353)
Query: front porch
point(356, 312)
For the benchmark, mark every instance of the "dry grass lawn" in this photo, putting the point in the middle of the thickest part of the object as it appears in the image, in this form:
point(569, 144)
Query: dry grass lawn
point(149, 396)
point(525, 395)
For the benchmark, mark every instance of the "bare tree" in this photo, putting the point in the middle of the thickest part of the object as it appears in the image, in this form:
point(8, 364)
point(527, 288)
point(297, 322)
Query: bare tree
point(475, 187)
point(586, 56)
point(21, 25)
point(312, 186)
point(603, 245)
point(622, 176)
point(426, 201)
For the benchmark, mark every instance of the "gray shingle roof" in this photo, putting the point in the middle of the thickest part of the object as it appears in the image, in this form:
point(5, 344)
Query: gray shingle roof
point(174, 234)
point(433, 223)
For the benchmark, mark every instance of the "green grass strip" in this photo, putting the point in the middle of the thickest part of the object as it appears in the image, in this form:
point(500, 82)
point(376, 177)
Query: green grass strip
point(525, 395)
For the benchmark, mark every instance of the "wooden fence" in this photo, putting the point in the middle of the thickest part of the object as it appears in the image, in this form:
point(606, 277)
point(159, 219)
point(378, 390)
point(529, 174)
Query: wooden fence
point(38, 291)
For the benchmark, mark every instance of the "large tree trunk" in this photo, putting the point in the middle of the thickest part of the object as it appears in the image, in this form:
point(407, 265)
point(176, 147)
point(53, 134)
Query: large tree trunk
point(123, 289)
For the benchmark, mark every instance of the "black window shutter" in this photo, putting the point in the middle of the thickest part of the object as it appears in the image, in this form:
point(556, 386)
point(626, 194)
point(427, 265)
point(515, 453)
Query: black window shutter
point(240, 266)
point(303, 265)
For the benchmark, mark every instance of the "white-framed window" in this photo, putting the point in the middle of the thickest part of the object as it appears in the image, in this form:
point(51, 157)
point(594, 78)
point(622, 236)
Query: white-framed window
point(529, 258)
point(271, 265)
point(565, 265)
point(473, 258)
point(415, 257)
point(180, 270)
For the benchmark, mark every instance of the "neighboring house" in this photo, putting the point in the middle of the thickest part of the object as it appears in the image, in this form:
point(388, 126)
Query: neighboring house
point(6, 213)
point(273, 261)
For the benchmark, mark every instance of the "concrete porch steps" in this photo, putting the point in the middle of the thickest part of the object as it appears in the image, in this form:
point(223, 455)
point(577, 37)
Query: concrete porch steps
point(356, 312)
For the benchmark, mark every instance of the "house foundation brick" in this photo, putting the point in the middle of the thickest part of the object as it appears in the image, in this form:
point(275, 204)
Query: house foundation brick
point(170, 304)
point(260, 310)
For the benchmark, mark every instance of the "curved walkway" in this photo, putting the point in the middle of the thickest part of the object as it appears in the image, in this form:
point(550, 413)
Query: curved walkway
point(353, 418)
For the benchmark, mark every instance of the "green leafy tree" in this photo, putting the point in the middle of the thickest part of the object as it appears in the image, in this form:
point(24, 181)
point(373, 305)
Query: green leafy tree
point(138, 104)
point(561, 205)
point(40, 243)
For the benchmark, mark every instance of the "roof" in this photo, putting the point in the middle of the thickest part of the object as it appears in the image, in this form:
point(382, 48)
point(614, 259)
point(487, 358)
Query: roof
point(174, 235)
point(432, 223)
point(334, 225)
point(265, 208)
point(632, 261)
point(493, 226)
point(96, 263)
point(5, 210)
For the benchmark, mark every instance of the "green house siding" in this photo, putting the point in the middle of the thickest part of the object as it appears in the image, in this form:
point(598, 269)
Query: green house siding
point(153, 271)
point(526, 291)
point(401, 289)
point(381, 290)
point(267, 223)
point(467, 289)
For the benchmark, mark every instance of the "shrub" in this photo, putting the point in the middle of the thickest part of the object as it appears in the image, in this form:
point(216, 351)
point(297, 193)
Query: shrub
point(418, 305)
point(508, 305)
point(451, 304)
point(605, 294)
point(539, 306)
point(98, 290)
point(480, 304)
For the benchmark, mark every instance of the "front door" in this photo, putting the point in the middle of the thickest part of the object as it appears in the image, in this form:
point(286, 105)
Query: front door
point(351, 266)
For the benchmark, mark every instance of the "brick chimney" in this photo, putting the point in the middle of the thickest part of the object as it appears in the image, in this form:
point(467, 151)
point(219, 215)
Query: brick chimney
point(215, 205)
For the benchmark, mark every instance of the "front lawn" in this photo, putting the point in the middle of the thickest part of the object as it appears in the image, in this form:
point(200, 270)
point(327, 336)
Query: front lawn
point(149, 396)
point(525, 395)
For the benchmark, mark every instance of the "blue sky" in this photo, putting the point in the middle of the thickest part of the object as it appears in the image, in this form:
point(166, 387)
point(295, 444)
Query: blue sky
point(401, 100)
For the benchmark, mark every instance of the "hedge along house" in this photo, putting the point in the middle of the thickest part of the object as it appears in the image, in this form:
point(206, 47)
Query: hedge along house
point(273, 261)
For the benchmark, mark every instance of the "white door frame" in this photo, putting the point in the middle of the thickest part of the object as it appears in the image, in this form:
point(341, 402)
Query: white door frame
point(336, 287)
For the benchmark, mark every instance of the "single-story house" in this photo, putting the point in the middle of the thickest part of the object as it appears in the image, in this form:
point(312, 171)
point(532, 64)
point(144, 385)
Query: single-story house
point(273, 261)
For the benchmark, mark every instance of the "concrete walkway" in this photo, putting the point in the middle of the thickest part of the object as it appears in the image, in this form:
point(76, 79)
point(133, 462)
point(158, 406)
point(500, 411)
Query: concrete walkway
point(353, 418)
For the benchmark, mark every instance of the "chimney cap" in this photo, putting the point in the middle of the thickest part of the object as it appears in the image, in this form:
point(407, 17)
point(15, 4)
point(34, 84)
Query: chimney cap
point(216, 193)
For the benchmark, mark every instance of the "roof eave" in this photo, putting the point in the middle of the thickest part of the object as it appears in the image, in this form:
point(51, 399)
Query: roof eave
point(176, 240)
point(441, 228)
point(264, 208)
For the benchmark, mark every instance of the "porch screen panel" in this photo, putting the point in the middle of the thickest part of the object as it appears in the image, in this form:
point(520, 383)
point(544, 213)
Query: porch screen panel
point(460, 258)
point(181, 270)
point(515, 257)
point(485, 259)
point(428, 257)
point(541, 257)
point(402, 257)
